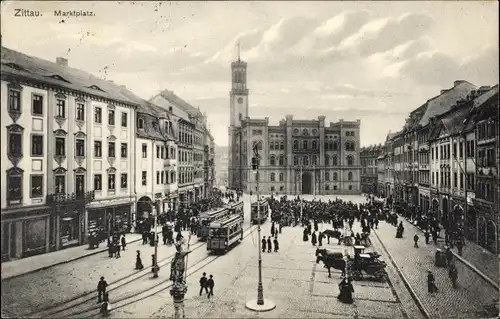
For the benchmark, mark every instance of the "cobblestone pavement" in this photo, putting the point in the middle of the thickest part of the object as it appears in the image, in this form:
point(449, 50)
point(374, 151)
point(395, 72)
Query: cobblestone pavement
point(291, 278)
point(35, 291)
point(473, 296)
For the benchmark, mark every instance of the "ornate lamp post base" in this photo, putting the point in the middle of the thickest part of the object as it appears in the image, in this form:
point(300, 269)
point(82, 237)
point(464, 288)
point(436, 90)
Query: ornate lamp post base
point(178, 292)
point(268, 305)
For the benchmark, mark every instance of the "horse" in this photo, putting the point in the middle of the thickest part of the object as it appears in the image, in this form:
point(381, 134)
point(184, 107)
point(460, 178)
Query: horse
point(331, 260)
point(333, 233)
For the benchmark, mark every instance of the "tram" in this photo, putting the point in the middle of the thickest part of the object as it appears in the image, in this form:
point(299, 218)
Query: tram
point(209, 217)
point(225, 233)
point(263, 204)
point(236, 209)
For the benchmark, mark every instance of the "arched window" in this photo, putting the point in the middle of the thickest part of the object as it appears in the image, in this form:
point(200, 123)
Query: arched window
point(331, 145)
point(334, 160)
point(327, 160)
point(327, 176)
point(141, 124)
point(306, 161)
point(282, 160)
point(349, 176)
point(326, 145)
point(295, 160)
point(335, 176)
point(282, 146)
point(314, 145)
point(282, 177)
point(295, 145)
point(271, 146)
point(273, 177)
point(350, 160)
point(304, 145)
point(335, 146)
point(272, 161)
point(349, 146)
point(314, 160)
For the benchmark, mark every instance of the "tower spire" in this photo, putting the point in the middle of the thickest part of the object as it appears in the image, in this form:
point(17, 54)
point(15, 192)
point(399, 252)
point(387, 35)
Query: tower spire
point(239, 51)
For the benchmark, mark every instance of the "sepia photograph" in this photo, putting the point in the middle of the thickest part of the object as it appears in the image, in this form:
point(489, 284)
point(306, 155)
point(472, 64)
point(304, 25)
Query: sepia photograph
point(275, 159)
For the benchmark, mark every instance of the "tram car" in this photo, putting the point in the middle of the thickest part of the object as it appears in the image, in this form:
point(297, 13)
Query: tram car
point(263, 204)
point(209, 217)
point(236, 209)
point(224, 234)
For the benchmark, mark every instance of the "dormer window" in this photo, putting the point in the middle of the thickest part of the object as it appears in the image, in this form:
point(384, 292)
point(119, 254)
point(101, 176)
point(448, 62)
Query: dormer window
point(58, 77)
point(14, 66)
point(95, 87)
point(140, 124)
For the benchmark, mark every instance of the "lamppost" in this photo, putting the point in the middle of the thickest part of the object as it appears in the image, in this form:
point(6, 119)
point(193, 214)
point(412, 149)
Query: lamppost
point(156, 209)
point(260, 304)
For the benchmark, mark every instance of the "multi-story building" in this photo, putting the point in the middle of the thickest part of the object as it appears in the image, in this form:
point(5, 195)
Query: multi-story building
point(190, 125)
point(381, 171)
point(221, 166)
point(209, 170)
point(296, 156)
point(62, 118)
point(369, 168)
point(156, 160)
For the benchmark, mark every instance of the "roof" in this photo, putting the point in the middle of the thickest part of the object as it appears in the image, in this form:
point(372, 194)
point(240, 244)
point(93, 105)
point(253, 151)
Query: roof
point(51, 73)
point(443, 102)
point(454, 122)
point(174, 99)
point(483, 107)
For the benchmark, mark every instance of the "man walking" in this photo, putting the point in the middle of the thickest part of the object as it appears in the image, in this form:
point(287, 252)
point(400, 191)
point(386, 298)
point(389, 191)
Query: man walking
point(264, 242)
point(210, 285)
point(203, 283)
point(415, 240)
point(101, 289)
point(269, 245)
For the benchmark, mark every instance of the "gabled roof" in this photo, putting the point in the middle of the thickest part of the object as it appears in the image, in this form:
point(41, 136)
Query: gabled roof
point(483, 107)
point(174, 99)
point(443, 102)
point(50, 73)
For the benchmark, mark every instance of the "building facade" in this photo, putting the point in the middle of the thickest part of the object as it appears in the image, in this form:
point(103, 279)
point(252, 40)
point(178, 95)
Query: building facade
point(58, 122)
point(370, 168)
point(296, 156)
point(222, 166)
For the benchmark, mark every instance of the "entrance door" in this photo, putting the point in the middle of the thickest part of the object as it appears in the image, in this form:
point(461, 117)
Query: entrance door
point(306, 183)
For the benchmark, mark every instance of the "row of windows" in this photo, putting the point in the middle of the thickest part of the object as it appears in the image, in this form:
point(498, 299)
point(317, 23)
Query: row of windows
point(111, 116)
point(162, 177)
point(486, 129)
point(15, 102)
point(443, 151)
point(185, 134)
point(111, 181)
point(304, 160)
point(486, 157)
point(163, 152)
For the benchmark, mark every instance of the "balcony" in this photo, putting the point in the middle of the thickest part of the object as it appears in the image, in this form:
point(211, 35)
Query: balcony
point(487, 171)
point(64, 199)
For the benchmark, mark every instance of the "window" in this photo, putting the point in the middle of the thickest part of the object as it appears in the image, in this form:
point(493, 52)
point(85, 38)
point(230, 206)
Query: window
point(98, 182)
point(60, 184)
point(15, 143)
point(295, 145)
point(282, 177)
point(282, 188)
point(140, 124)
point(97, 149)
point(350, 187)
point(144, 151)
point(295, 160)
point(304, 145)
point(60, 146)
point(37, 104)
point(282, 146)
point(327, 160)
point(111, 117)
point(455, 180)
point(327, 187)
point(272, 161)
point(144, 178)
point(98, 115)
point(158, 178)
point(80, 112)
point(157, 152)
point(327, 176)
point(61, 108)
point(124, 180)
point(335, 146)
point(111, 149)
point(334, 187)
point(273, 177)
point(334, 160)
point(80, 147)
point(282, 160)
point(124, 150)
point(306, 161)
point(36, 145)
point(111, 181)
point(350, 160)
point(335, 176)
point(124, 120)
point(272, 188)
point(314, 145)
point(314, 160)
point(36, 184)
point(14, 100)
point(271, 146)
point(349, 176)
point(14, 186)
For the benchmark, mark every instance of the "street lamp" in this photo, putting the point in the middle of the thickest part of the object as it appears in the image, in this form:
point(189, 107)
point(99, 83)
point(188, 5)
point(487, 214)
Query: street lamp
point(260, 304)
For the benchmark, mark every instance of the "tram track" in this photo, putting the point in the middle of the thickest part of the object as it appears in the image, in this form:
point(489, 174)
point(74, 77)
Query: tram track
point(62, 308)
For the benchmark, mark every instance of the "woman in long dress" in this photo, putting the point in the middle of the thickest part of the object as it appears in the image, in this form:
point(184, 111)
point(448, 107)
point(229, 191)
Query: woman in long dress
point(304, 236)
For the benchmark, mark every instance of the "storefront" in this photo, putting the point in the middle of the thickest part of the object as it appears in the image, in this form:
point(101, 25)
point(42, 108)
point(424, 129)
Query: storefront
point(108, 216)
point(71, 229)
point(487, 228)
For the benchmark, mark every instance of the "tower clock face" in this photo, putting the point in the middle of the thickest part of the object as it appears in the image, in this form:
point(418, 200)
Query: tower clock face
point(240, 100)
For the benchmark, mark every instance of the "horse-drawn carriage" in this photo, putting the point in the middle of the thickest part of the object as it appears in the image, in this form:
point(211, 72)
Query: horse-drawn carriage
point(366, 265)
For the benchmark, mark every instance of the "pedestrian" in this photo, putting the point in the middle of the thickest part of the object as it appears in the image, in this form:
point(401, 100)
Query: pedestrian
point(434, 237)
point(264, 242)
point(453, 274)
point(280, 227)
point(426, 236)
point(124, 242)
point(431, 282)
point(117, 250)
point(164, 238)
point(210, 285)
point(460, 247)
point(313, 239)
point(138, 261)
point(203, 283)
point(145, 237)
point(101, 289)
point(320, 239)
point(110, 249)
point(178, 237)
point(272, 229)
point(415, 240)
point(105, 306)
point(449, 257)
point(269, 245)
point(276, 244)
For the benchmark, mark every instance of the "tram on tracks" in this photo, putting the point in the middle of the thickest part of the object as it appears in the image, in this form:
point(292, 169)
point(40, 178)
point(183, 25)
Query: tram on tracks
point(209, 217)
point(225, 233)
point(236, 209)
point(263, 204)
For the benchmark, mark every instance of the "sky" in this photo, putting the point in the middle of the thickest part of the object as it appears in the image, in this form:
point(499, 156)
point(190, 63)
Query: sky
point(373, 61)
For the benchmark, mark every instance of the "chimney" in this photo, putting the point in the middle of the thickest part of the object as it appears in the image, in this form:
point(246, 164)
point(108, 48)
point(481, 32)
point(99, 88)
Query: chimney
point(62, 61)
point(458, 82)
